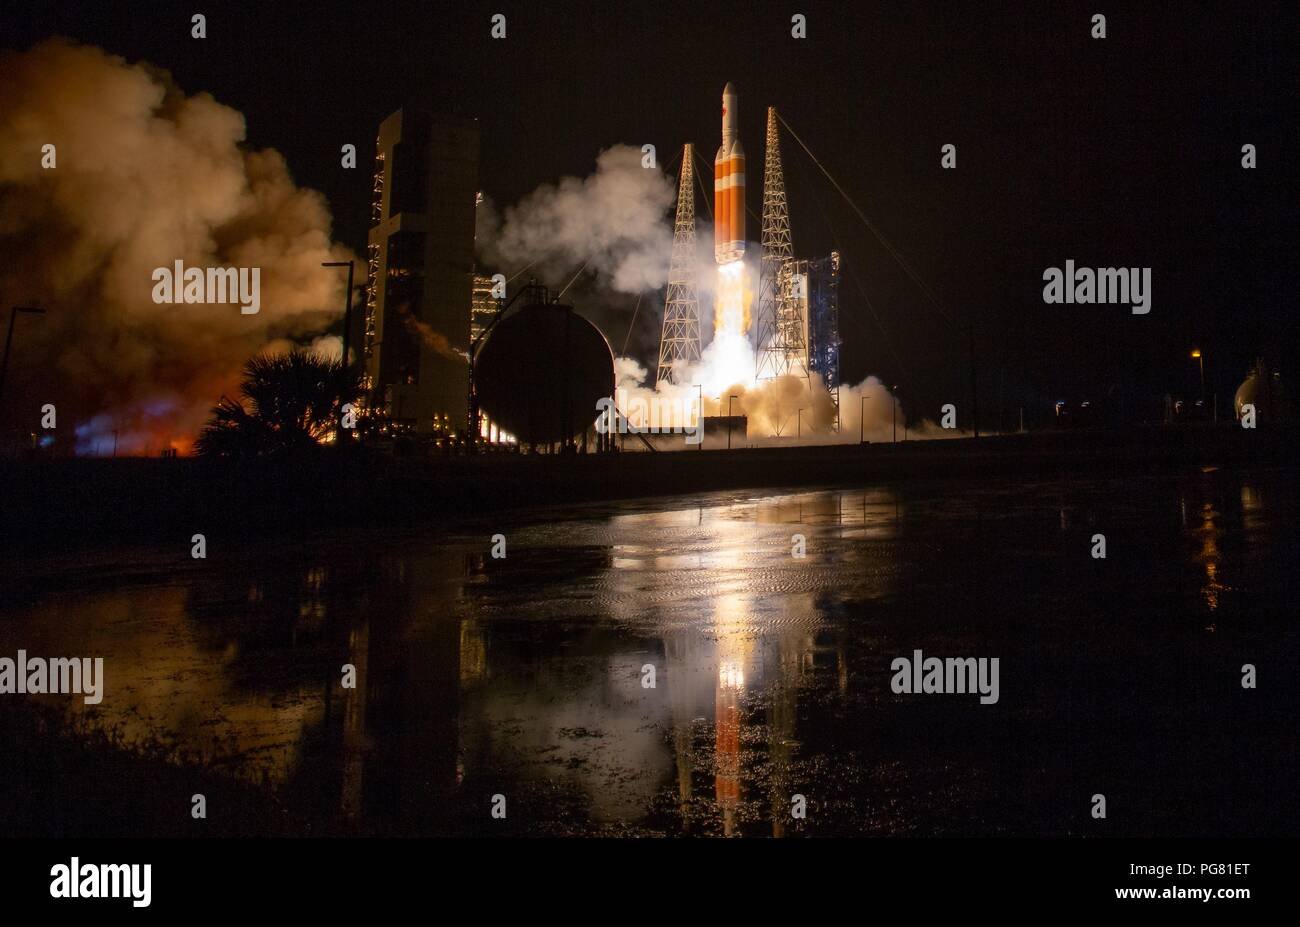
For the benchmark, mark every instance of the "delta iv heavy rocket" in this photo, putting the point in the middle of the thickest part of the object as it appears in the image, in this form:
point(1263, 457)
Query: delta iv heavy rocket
point(729, 186)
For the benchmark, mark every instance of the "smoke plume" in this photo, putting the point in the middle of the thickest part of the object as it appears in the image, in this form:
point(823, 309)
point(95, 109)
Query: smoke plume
point(143, 176)
point(613, 221)
point(434, 339)
point(783, 411)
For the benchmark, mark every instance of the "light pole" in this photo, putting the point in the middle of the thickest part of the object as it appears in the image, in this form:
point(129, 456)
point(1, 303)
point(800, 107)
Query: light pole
point(1196, 356)
point(9, 337)
point(798, 424)
point(862, 419)
point(729, 398)
point(347, 330)
point(700, 387)
point(347, 306)
point(895, 398)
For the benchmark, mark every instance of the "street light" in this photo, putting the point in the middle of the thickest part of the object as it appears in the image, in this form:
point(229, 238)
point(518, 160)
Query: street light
point(13, 314)
point(347, 330)
point(729, 398)
point(862, 419)
point(700, 387)
point(799, 424)
point(347, 305)
point(1196, 356)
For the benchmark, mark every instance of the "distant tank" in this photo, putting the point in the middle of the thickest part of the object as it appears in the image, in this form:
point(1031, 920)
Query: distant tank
point(1264, 391)
point(541, 372)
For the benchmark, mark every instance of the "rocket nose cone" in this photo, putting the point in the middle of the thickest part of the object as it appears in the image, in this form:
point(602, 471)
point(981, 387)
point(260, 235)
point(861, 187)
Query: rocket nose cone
point(729, 90)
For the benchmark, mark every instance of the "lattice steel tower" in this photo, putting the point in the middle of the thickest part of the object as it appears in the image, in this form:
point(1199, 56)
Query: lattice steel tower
point(680, 341)
point(782, 347)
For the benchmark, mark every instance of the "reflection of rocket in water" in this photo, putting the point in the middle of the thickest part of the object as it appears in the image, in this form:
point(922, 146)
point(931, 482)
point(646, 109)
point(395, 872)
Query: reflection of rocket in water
point(729, 186)
point(726, 746)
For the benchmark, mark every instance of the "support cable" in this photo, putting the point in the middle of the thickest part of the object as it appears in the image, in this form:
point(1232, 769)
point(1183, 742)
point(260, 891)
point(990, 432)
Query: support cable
point(894, 252)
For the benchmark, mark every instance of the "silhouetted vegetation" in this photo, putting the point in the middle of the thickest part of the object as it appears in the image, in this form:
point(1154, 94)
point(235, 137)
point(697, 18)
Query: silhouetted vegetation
point(289, 404)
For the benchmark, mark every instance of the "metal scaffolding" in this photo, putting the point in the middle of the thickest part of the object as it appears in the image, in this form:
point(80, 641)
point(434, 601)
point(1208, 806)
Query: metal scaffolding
point(782, 343)
point(372, 268)
point(679, 344)
point(818, 284)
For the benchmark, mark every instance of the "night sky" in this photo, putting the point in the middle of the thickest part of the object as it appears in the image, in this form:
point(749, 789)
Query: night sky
point(1117, 152)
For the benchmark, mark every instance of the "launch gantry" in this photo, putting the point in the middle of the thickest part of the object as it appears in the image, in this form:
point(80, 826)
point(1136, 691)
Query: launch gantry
point(781, 345)
point(679, 344)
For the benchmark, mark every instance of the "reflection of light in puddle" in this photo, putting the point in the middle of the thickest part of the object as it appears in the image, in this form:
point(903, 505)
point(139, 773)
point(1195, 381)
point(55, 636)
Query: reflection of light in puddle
point(171, 682)
point(655, 564)
point(1252, 508)
point(1210, 556)
point(731, 675)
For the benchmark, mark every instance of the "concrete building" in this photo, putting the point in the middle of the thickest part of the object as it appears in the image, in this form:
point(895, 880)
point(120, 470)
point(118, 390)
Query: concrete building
point(421, 268)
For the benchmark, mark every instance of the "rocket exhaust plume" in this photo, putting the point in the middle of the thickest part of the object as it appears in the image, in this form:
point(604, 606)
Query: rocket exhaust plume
point(730, 356)
point(142, 176)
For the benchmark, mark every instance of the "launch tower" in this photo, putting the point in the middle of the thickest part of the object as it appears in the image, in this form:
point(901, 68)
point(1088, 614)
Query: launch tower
point(680, 342)
point(782, 347)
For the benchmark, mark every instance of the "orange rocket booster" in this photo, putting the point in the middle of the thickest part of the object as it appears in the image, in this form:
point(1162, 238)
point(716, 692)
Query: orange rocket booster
point(729, 186)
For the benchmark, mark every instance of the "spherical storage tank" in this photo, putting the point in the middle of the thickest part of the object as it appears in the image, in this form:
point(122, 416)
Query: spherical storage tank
point(541, 372)
point(1264, 391)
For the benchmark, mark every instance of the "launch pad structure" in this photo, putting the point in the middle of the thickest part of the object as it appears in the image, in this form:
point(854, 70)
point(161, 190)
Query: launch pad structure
point(796, 324)
point(680, 342)
point(781, 343)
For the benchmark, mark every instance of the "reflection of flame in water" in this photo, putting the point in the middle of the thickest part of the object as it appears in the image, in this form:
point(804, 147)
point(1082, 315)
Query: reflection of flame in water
point(1210, 557)
point(731, 675)
point(732, 623)
point(750, 643)
point(427, 724)
point(726, 751)
point(354, 722)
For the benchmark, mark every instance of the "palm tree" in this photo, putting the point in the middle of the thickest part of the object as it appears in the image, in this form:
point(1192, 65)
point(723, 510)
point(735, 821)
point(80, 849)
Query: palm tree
point(290, 403)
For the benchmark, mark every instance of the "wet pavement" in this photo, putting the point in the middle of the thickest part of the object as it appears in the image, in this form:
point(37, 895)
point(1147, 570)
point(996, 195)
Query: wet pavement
point(671, 666)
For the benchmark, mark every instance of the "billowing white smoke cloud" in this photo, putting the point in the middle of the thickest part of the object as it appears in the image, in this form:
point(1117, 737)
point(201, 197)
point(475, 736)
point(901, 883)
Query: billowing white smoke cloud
point(772, 409)
point(785, 410)
point(613, 220)
point(144, 176)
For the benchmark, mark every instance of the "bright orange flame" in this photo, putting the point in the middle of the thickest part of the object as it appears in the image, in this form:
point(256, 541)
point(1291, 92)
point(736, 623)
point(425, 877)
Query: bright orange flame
point(730, 358)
